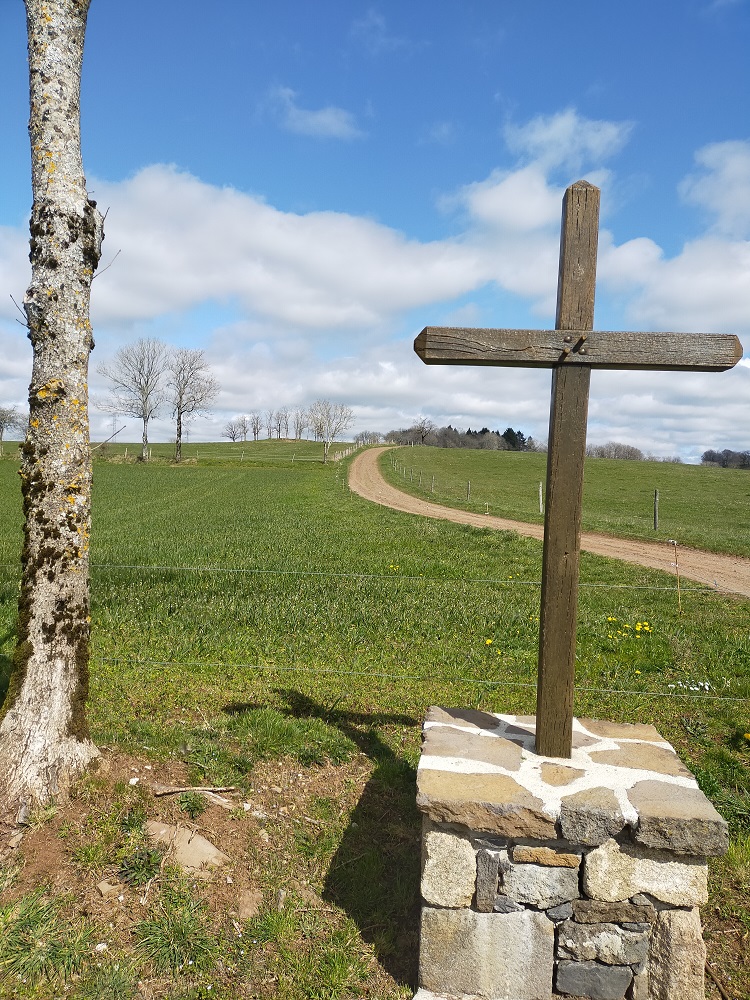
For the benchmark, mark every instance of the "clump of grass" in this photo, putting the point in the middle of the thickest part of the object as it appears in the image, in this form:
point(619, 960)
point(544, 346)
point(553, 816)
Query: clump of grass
point(177, 937)
point(192, 803)
point(112, 981)
point(141, 865)
point(37, 941)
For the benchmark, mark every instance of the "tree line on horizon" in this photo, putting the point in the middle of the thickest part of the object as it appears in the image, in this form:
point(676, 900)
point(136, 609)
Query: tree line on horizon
point(325, 421)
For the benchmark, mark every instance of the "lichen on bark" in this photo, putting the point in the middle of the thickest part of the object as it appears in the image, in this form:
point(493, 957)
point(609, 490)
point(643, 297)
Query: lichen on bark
point(44, 742)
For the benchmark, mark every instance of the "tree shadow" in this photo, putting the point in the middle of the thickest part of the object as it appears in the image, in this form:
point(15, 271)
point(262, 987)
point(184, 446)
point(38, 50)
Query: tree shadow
point(6, 665)
point(374, 873)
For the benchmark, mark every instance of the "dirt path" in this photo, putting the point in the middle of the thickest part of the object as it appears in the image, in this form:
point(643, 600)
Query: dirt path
point(725, 573)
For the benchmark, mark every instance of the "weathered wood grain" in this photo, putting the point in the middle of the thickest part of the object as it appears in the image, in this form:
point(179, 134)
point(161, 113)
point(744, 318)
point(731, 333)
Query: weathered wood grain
point(604, 349)
point(565, 457)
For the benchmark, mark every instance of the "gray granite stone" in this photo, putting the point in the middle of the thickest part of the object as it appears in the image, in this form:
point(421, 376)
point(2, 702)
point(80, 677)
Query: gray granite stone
point(488, 875)
point(606, 943)
point(590, 817)
point(593, 980)
point(562, 912)
point(506, 956)
point(539, 885)
point(679, 819)
point(504, 904)
point(594, 911)
point(636, 927)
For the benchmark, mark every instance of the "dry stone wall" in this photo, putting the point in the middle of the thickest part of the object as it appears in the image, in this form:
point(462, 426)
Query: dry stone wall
point(543, 878)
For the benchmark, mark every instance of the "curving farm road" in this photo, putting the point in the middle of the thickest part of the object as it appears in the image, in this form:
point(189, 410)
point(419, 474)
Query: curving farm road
point(726, 573)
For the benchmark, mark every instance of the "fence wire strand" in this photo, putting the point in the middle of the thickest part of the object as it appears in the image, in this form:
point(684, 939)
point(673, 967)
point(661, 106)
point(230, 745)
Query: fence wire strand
point(138, 661)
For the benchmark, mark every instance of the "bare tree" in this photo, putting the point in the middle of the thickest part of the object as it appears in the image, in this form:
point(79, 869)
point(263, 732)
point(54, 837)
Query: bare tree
point(190, 387)
point(299, 422)
point(256, 422)
point(423, 427)
point(10, 420)
point(232, 430)
point(137, 375)
point(244, 425)
point(270, 419)
point(328, 420)
point(44, 741)
point(283, 417)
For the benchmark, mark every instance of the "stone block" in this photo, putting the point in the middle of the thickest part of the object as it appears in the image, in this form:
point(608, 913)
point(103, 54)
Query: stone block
point(590, 817)
point(448, 869)
point(613, 872)
point(681, 819)
point(677, 957)
point(500, 956)
point(488, 876)
point(485, 803)
point(539, 885)
point(562, 912)
point(593, 980)
point(504, 904)
point(545, 856)
point(594, 911)
point(606, 943)
point(444, 741)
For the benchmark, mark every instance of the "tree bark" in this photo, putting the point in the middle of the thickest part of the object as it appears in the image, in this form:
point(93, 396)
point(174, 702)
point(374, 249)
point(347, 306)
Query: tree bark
point(44, 742)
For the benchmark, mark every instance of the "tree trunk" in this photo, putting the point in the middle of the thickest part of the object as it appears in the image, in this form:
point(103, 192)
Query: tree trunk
point(44, 741)
point(178, 439)
point(144, 441)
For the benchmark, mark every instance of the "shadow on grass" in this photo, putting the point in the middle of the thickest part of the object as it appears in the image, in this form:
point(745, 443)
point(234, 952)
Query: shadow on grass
point(374, 873)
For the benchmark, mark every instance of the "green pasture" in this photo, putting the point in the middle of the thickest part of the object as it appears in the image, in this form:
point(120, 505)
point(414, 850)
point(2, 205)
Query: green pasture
point(700, 506)
point(243, 610)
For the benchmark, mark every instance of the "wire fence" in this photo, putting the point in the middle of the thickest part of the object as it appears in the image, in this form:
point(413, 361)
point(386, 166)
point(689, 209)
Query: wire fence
point(419, 678)
point(393, 577)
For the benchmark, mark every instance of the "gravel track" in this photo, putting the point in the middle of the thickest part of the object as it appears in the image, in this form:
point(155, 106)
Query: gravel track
point(730, 574)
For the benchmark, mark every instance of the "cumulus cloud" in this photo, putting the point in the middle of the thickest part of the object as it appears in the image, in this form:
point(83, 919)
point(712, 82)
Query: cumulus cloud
point(183, 242)
point(296, 306)
point(723, 186)
point(329, 122)
point(566, 139)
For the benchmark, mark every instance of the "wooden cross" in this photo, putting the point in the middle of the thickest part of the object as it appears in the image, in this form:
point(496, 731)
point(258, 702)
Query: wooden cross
point(571, 350)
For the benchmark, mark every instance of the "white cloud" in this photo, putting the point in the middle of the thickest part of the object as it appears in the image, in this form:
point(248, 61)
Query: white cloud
point(373, 31)
point(184, 242)
point(324, 123)
point(723, 189)
point(319, 303)
point(566, 139)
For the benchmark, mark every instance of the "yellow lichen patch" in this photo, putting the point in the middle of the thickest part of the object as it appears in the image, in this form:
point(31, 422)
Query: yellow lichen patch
point(55, 388)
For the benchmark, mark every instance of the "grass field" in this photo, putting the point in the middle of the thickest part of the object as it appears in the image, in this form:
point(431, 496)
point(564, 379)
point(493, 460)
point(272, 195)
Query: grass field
point(252, 615)
point(699, 506)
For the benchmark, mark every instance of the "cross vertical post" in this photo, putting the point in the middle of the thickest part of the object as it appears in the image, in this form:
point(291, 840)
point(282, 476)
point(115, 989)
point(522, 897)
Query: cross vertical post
point(571, 350)
point(566, 454)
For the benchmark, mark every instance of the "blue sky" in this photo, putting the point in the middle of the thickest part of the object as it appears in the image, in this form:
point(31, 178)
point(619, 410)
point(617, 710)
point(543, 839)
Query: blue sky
point(299, 188)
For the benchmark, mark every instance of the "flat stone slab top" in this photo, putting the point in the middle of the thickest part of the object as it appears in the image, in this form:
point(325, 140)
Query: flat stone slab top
point(480, 770)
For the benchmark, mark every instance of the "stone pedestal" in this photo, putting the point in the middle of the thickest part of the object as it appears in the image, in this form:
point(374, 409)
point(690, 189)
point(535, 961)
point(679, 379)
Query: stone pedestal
point(544, 877)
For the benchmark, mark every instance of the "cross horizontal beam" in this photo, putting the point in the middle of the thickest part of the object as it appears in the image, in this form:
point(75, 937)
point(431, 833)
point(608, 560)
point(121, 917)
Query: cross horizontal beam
point(701, 352)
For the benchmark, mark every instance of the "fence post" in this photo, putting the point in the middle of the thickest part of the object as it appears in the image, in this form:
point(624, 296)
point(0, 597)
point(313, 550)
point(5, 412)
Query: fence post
point(656, 510)
point(541, 499)
point(468, 491)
